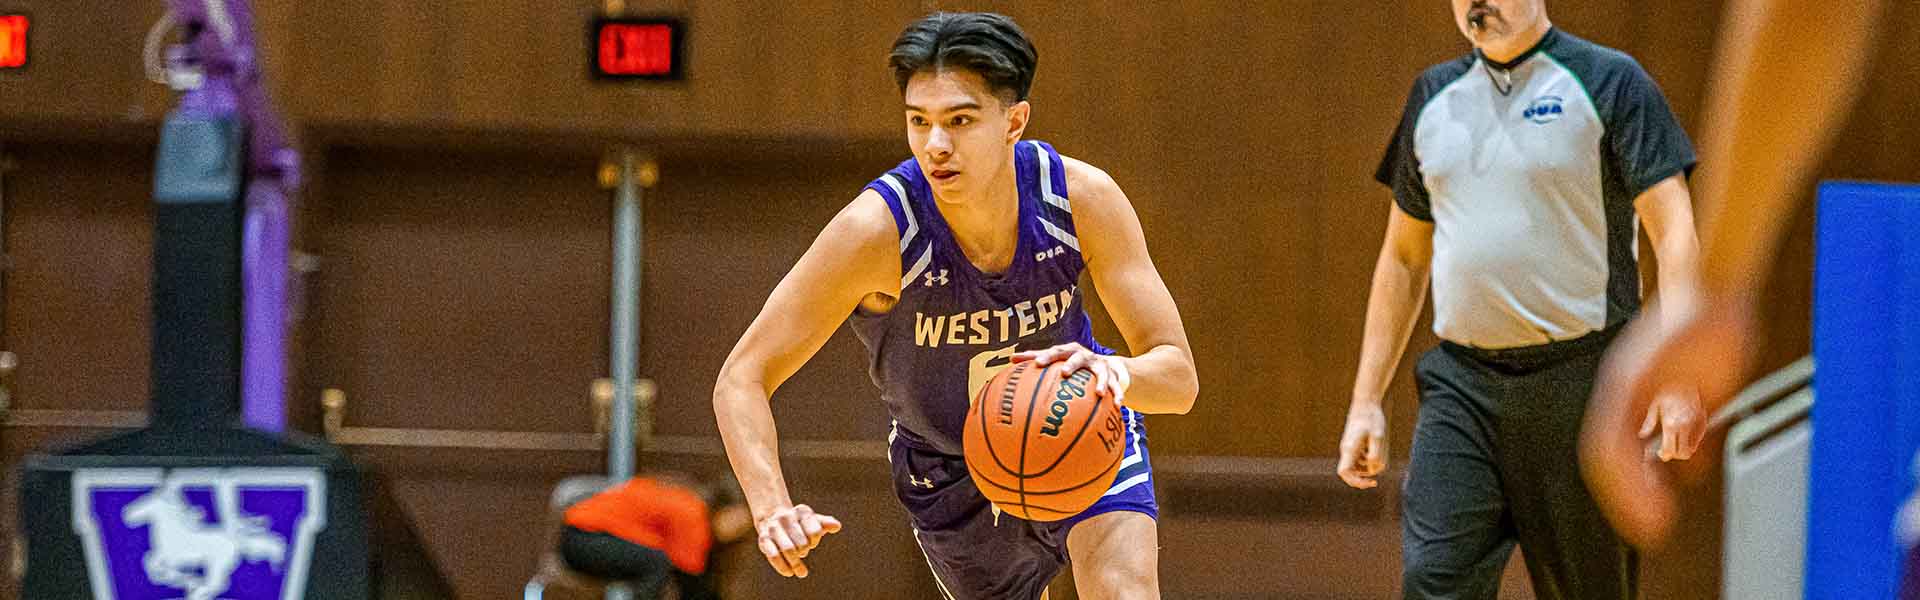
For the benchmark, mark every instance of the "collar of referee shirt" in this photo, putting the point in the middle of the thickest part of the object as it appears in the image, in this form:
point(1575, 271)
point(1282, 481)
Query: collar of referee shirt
point(1546, 40)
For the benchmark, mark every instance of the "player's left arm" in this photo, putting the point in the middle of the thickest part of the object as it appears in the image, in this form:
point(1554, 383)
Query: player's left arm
point(1159, 377)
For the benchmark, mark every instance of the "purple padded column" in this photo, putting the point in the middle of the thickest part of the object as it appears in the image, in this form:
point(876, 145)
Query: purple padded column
point(233, 85)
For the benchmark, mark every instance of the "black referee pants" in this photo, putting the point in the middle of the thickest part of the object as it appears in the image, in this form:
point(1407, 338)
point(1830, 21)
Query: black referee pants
point(1494, 463)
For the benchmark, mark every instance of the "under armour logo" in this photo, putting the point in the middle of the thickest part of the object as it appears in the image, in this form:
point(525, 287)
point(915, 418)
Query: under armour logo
point(940, 279)
point(925, 482)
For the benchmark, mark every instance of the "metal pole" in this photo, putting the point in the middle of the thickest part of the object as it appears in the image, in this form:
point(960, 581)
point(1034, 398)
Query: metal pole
point(626, 323)
point(626, 315)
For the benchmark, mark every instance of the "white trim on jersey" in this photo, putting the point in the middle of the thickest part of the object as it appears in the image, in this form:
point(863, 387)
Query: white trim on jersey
point(1060, 234)
point(1127, 485)
point(1046, 180)
point(906, 206)
point(1046, 194)
point(893, 432)
point(926, 257)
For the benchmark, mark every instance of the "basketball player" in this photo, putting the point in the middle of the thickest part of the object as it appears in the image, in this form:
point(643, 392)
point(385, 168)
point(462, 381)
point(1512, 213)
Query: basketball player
point(950, 266)
point(1517, 172)
point(1787, 75)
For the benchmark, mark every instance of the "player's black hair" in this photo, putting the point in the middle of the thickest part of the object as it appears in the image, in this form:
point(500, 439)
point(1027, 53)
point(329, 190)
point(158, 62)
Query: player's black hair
point(988, 44)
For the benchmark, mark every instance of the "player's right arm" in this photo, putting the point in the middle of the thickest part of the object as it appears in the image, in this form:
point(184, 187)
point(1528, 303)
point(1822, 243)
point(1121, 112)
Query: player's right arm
point(1786, 77)
point(1399, 289)
point(856, 256)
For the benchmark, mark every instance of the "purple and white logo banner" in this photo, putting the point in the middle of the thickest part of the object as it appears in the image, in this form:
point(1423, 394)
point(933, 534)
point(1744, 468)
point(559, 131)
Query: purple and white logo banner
point(198, 534)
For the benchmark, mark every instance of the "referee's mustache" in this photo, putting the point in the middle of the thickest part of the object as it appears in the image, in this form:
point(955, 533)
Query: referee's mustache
point(1478, 13)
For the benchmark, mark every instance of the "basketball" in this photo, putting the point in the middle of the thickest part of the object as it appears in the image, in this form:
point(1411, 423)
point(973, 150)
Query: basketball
point(1043, 447)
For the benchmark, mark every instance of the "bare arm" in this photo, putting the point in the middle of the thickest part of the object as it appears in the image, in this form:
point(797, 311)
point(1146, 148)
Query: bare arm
point(1666, 209)
point(1163, 379)
point(1399, 290)
point(854, 256)
point(1785, 75)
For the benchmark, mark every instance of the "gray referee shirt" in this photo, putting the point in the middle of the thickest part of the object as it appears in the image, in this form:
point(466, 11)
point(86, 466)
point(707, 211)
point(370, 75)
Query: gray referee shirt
point(1528, 171)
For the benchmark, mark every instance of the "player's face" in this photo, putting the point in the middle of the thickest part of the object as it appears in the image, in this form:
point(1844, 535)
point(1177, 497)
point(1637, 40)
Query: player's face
point(1491, 21)
point(961, 132)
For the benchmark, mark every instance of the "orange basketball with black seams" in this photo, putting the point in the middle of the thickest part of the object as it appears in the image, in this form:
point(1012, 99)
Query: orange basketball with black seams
point(1040, 446)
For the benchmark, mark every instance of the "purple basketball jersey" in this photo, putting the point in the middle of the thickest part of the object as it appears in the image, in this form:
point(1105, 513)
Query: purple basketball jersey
point(955, 327)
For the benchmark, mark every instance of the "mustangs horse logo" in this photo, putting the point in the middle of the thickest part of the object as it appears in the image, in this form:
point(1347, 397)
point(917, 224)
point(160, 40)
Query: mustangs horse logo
point(148, 532)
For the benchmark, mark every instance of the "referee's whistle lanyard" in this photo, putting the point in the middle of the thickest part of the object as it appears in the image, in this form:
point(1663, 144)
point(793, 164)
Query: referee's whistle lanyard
point(1501, 77)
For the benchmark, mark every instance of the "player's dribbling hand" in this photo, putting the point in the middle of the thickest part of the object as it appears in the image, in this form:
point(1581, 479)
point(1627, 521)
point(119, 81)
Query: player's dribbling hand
point(1363, 446)
point(1108, 371)
point(789, 534)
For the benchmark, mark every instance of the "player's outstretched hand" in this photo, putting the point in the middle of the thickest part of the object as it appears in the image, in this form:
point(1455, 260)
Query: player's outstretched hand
point(1109, 372)
point(789, 534)
point(1363, 446)
point(1700, 348)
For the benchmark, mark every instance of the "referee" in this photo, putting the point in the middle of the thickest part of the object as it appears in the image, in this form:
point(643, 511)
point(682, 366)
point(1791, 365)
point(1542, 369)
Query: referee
point(1521, 174)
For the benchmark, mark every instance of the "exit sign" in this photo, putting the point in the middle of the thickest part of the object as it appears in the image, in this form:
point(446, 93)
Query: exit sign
point(626, 48)
point(13, 41)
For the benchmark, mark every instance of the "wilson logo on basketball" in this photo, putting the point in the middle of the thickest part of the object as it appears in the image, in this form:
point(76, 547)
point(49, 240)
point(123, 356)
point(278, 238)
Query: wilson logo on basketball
point(1030, 441)
point(1006, 398)
point(1073, 388)
point(1112, 436)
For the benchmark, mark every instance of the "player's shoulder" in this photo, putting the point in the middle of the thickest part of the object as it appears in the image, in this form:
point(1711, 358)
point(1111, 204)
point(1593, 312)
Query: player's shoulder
point(873, 209)
point(867, 218)
point(1088, 184)
point(861, 242)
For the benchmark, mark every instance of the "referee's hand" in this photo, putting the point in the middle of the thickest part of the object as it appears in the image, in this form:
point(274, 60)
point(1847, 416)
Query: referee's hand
point(1675, 417)
point(1363, 447)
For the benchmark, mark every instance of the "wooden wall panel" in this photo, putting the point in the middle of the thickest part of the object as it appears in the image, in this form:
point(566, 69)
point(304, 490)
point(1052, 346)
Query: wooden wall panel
point(720, 234)
point(1245, 134)
point(462, 290)
point(749, 69)
point(79, 233)
point(84, 64)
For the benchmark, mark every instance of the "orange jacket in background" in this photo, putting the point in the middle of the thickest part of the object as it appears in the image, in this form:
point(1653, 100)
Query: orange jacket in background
point(657, 515)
